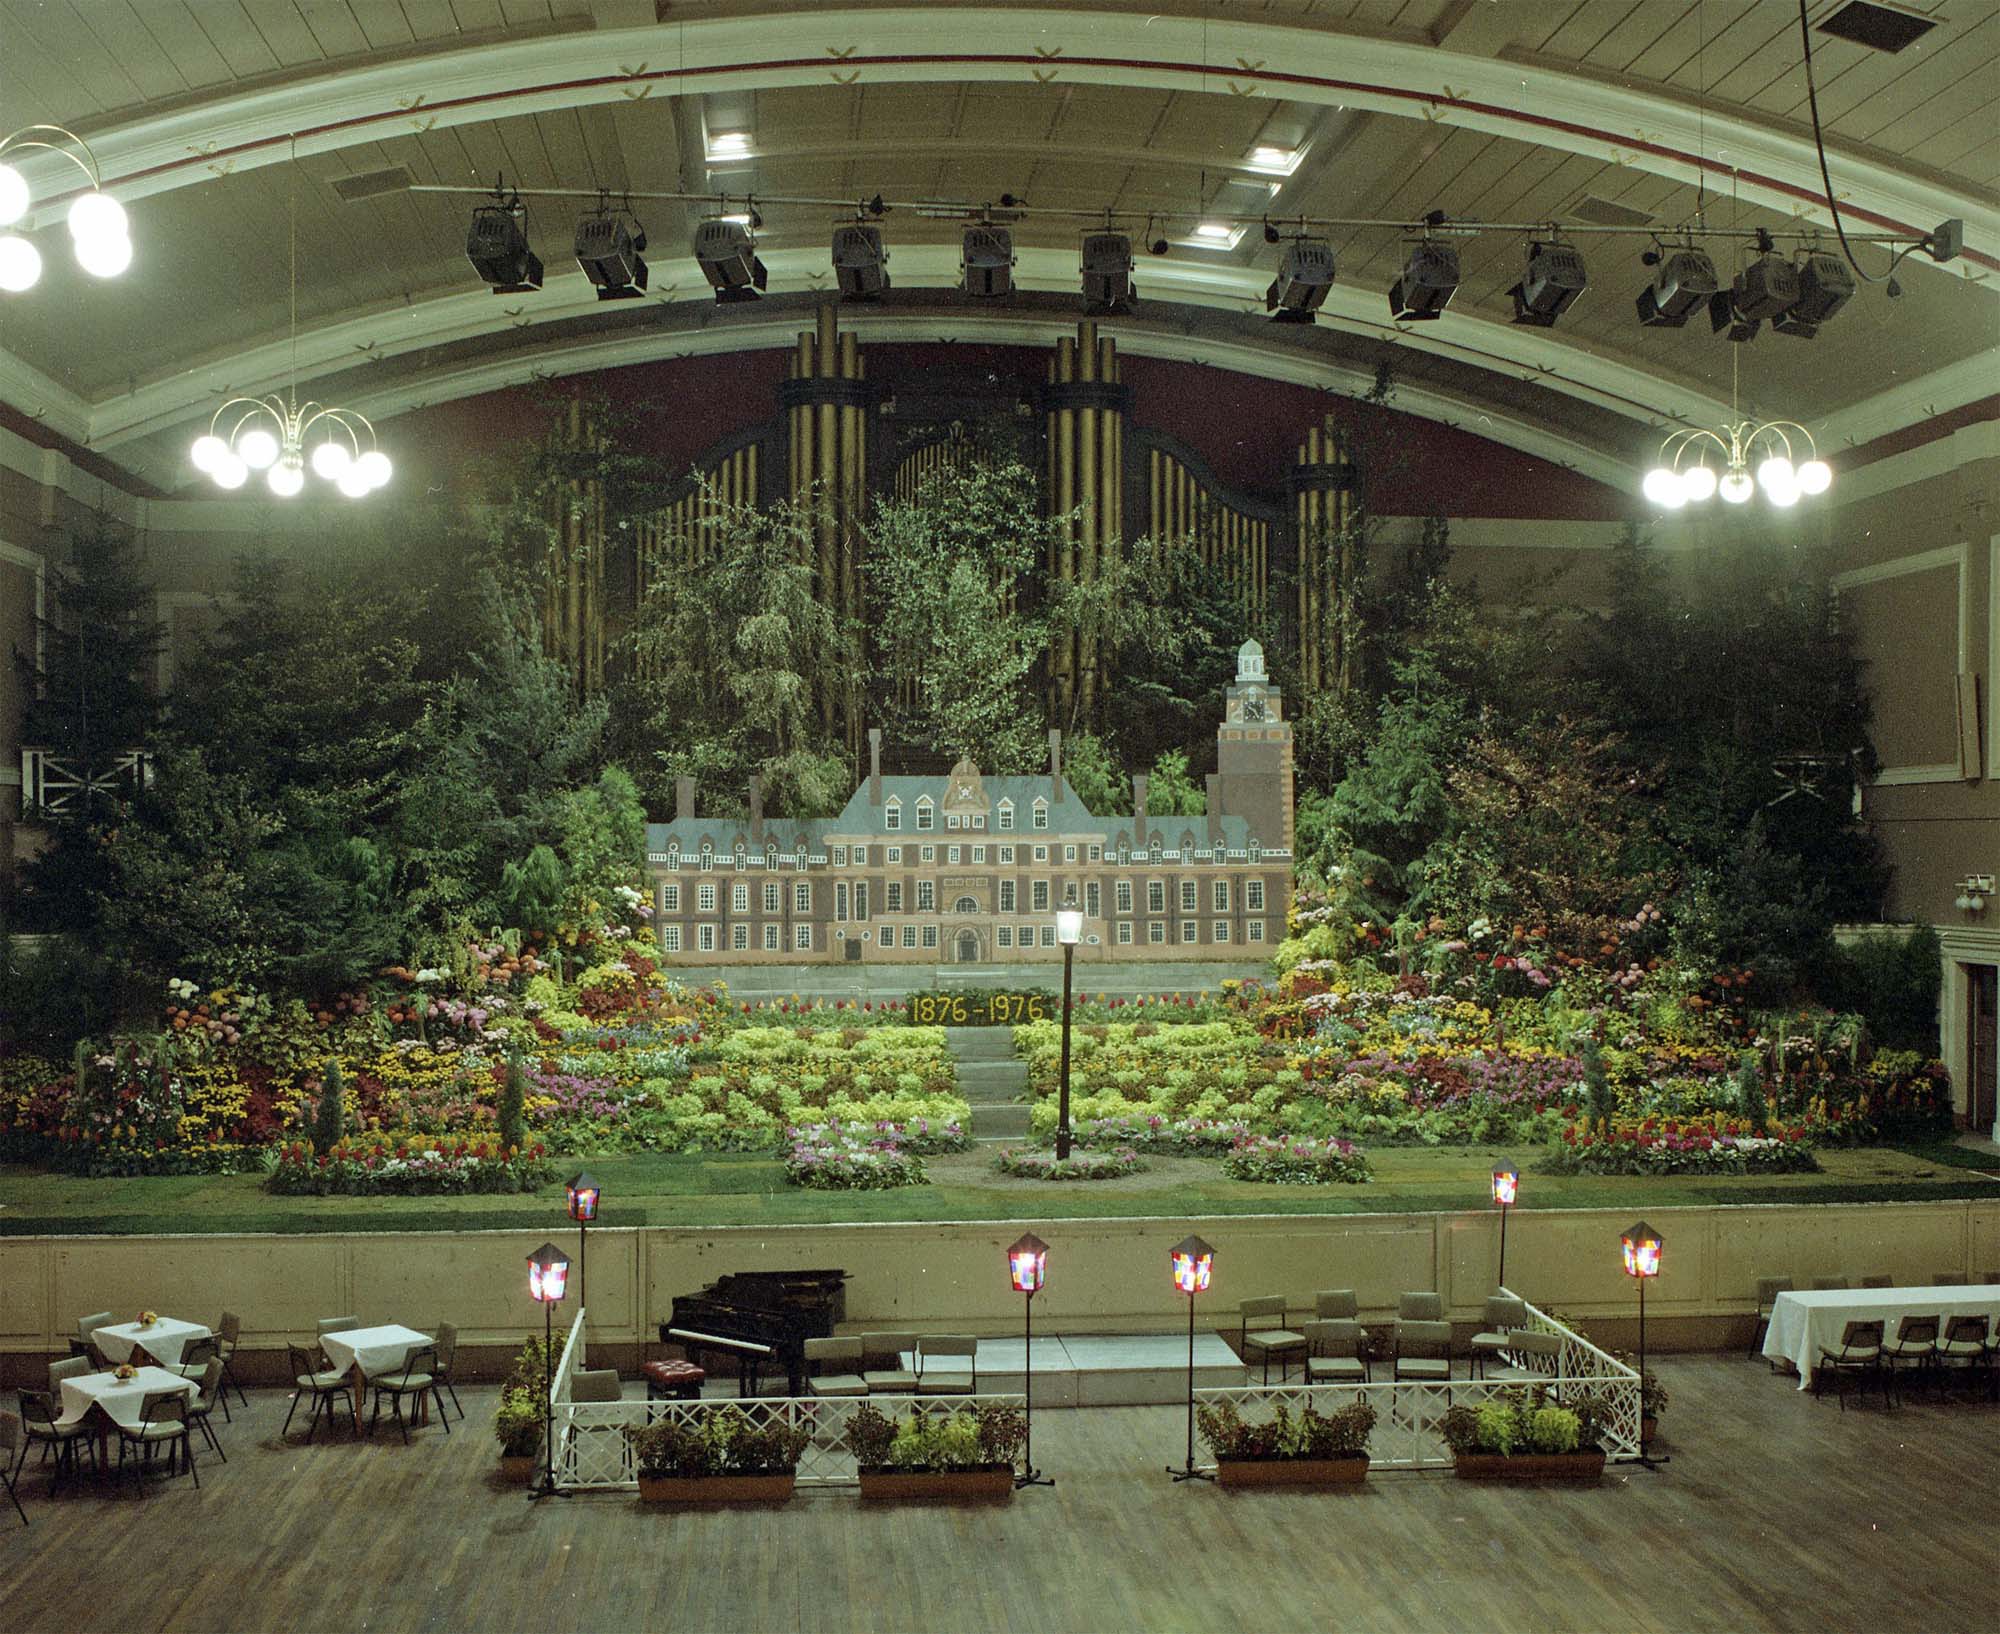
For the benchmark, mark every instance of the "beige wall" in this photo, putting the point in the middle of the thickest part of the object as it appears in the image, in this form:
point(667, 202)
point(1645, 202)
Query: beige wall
point(1105, 1276)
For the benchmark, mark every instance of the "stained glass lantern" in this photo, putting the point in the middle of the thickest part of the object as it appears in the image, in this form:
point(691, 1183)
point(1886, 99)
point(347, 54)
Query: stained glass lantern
point(1642, 1251)
point(1506, 1183)
point(548, 1274)
point(1193, 1261)
point(583, 1195)
point(1028, 1264)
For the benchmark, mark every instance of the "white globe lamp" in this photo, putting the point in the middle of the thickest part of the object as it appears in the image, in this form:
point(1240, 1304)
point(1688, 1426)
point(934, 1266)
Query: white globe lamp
point(20, 264)
point(257, 448)
point(330, 459)
point(287, 477)
point(1663, 487)
point(209, 453)
point(1815, 477)
point(374, 467)
point(1775, 473)
point(1698, 483)
point(13, 195)
point(95, 218)
point(231, 472)
point(1736, 488)
point(104, 257)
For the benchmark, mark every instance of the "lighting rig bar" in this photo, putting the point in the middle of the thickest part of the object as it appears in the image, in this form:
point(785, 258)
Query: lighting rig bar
point(1943, 243)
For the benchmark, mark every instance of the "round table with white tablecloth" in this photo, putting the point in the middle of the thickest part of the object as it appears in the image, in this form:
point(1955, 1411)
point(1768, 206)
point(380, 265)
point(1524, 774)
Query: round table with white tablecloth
point(121, 1400)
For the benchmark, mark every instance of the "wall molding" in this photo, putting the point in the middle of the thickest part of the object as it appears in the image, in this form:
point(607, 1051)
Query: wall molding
point(1956, 556)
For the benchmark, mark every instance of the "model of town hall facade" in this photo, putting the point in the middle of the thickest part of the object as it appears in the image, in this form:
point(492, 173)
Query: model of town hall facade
point(966, 868)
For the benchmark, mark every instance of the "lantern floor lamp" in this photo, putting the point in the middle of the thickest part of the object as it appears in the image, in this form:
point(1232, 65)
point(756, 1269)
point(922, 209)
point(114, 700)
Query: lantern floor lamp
point(583, 1192)
point(1193, 1262)
point(1506, 1186)
point(548, 1277)
point(1027, 1267)
point(1641, 1247)
point(1069, 931)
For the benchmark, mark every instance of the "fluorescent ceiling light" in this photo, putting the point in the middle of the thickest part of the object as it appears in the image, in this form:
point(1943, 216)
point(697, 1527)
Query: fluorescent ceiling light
point(1279, 161)
point(729, 144)
point(1213, 235)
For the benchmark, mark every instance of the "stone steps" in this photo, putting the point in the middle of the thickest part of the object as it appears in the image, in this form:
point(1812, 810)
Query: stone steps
point(994, 1083)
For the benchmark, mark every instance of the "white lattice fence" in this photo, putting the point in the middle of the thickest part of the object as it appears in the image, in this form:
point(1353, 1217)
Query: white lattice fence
point(1409, 1414)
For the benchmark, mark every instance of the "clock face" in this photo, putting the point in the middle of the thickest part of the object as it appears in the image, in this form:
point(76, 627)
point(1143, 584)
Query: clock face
point(1253, 704)
point(963, 792)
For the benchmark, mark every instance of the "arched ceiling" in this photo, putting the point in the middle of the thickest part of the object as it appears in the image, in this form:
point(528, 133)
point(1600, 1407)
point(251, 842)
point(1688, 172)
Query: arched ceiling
point(1500, 110)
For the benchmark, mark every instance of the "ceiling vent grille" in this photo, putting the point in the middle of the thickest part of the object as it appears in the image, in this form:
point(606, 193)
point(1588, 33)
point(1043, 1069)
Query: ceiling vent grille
point(1880, 28)
point(1603, 213)
point(372, 184)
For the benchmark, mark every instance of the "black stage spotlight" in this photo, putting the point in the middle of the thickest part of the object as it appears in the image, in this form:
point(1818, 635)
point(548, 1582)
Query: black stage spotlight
point(1764, 289)
point(986, 259)
point(1107, 273)
point(860, 263)
point(608, 252)
point(497, 247)
point(1550, 286)
point(1680, 289)
point(1430, 279)
point(727, 255)
point(1825, 285)
point(1305, 274)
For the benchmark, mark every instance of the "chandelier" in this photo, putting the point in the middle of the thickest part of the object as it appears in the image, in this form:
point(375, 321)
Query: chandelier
point(97, 226)
point(272, 434)
point(1684, 473)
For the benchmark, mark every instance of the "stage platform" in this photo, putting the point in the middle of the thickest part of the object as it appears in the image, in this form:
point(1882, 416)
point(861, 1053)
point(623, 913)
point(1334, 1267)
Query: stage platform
point(1083, 1370)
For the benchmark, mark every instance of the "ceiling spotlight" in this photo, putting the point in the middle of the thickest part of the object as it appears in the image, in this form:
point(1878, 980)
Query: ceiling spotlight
point(986, 260)
point(1157, 247)
point(1764, 289)
point(1305, 274)
point(497, 246)
point(860, 263)
point(608, 252)
point(1825, 285)
point(1430, 279)
point(1549, 288)
point(1680, 288)
point(727, 254)
point(1107, 273)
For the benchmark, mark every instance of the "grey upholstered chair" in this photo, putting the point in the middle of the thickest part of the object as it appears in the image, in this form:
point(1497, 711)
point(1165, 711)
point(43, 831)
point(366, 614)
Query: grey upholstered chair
point(1420, 1306)
point(1335, 1303)
point(882, 1364)
point(162, 1423)
point(1423, 1352)
point(1263, 1335)
point(1333, 1351)
point(1860, 1354)
point(835, 1366)
point(419, 1379)
point(323, 1386)
point(199, 1409)
point(1504, 1312)
point(947, 1365)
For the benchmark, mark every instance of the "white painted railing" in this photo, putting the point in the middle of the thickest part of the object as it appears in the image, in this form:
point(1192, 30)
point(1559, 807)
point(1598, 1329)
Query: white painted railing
point(51, 783)
point(1409, 1414)
point(592, 1454)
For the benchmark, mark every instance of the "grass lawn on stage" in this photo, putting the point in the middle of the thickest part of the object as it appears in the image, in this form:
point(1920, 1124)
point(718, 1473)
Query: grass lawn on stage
point(749, 1189)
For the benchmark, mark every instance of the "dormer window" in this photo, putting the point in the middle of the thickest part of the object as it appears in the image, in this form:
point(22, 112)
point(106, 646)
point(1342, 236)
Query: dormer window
point(1156, 851)
point(1006, 815)
point(892, 815)
point(771, 854)
point(673, 856)
point(926, 813)
point(1256, 852)
point(740, 854)
point(1041, 818)
point(707, 857)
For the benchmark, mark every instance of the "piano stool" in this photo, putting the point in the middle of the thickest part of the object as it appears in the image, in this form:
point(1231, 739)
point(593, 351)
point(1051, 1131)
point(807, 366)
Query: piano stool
point(673, 1381)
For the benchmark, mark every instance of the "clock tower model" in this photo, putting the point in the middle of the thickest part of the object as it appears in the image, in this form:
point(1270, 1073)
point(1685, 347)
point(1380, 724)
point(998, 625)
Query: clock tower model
point(1254, 753)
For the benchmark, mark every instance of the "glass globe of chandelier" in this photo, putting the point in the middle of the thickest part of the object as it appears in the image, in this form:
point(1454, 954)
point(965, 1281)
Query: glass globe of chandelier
point(1735, 460)
point(285, 438)
point(98, 231)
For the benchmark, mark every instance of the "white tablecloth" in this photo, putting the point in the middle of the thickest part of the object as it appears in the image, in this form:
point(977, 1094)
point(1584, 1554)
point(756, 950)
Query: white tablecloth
point(163, 1341)
point(121, 1398)
point(1807, 1322)
point(378, 1350)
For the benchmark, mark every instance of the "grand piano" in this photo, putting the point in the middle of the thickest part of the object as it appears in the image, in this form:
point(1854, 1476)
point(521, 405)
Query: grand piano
point(760, 1318)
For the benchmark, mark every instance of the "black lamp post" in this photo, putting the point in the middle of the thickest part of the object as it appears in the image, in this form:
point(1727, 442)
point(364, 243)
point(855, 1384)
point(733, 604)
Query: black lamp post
point(1641, 1246)
point(1027, 1267)
point(583, 1194)
point(1506, 1183)
point(548, 1278)
point(1069, 931)
point(1193, 1261)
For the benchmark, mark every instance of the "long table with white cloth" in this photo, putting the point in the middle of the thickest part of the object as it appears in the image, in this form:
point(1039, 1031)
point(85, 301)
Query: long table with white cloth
point(1806, 1322)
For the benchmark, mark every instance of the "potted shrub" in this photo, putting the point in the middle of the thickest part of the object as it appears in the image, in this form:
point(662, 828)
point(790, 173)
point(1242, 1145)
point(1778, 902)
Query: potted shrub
point(934, 1454)
point(719, 1456)
point(517, 1422)
point(1652, 1403)
point(1521, 1437)
point(1313, 1449)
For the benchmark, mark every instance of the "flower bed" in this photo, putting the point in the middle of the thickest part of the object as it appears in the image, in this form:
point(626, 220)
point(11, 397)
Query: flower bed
point(1682, 1148)
point(828, 1157)
point(1025, 1163)
point(1190, 1137)
point(407, 1165)
point(1283, 1162)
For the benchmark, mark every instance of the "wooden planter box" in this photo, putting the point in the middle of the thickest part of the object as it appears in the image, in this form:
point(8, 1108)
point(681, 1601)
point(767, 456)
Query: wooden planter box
point(988, 1483)
point(717, 1489)
point(1254, 1472)
point(520, 1468)
point(1530, 1466)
